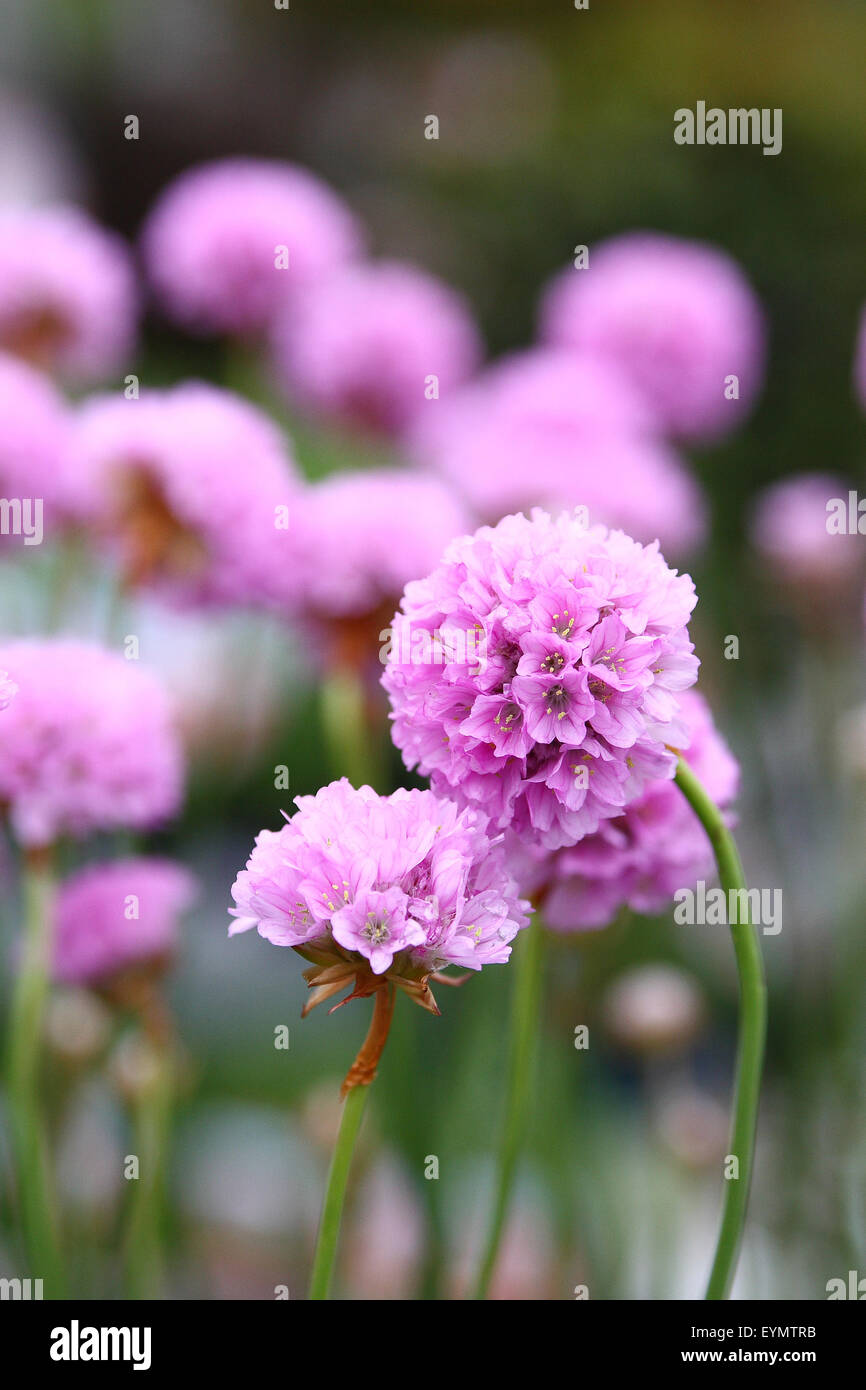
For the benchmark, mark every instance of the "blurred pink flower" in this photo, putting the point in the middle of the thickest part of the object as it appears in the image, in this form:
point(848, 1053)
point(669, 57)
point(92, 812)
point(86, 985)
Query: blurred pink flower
point(35, 431)
point(358, 538)
point(360, 346)
point(642, 857)
point(385, 1240)
point(212, 242)
point(117, 915)
point(194, 488)
point(67, 294)
point(557, 429)
point(678, 317)
point(526, 1266)
point(653, 1009)
point(789, 530)
point(88, 743)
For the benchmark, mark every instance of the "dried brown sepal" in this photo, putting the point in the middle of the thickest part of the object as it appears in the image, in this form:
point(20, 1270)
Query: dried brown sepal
point(332, 969)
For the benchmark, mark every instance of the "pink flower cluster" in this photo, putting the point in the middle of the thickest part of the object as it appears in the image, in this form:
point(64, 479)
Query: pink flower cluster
point(677, 317)
point(789, 528)
point(114, 916)
point(358, 538)
point(252, 246)
point(408, 883)
point(35, 433)
point(375, 345)
point(559, 429)
point(559, 710)
point(642, 857)
point(228, 242)
point(188, 486)
point(67, 292)
point(88, 743)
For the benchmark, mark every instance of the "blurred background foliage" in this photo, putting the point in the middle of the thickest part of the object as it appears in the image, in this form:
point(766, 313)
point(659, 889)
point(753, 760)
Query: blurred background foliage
point(556, 128)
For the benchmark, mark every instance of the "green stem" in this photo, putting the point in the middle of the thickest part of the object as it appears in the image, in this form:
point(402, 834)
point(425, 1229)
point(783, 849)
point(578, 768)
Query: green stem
point(151, 1120)
point(338, 1176)
point(751, 1034)
point(27, 1011)
point(524, 1031)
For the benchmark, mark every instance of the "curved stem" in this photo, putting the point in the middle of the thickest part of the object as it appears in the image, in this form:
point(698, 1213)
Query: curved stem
point(32, 1163)
point(751, 1033)
point(524, 1031)
point(335, 1192)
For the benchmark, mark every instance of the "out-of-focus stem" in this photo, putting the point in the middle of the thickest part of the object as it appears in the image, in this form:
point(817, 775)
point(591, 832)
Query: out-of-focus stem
point(349, 738)
point(32, 1164)
point(524, 1033)
point(151, 1112)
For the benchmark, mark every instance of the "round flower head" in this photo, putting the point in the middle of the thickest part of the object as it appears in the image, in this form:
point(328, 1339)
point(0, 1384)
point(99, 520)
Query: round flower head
point(229, 240)
point(114, 917)
point(358, 538)
point(193, 488)
point(34, 442)
point(641, 858)
point(553, 429)
point(366, 885)
point(536, 673)
point(363, 345)
point(677, 316)
point(793, 530)
point(67, 293)
point(87, 744)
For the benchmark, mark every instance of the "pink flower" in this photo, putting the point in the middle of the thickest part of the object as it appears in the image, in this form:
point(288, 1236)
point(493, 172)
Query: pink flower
point(67, 293)
point(88, 743)
point(555, 429)
point(35, 435)
point(193, 489)
point(398, 886)
point(358, 538)
point(363, 345)
point(790, 528)
point(678, 317)
point(642, 857)
point(552, 690)
point(215, 242)
point(114, 916)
